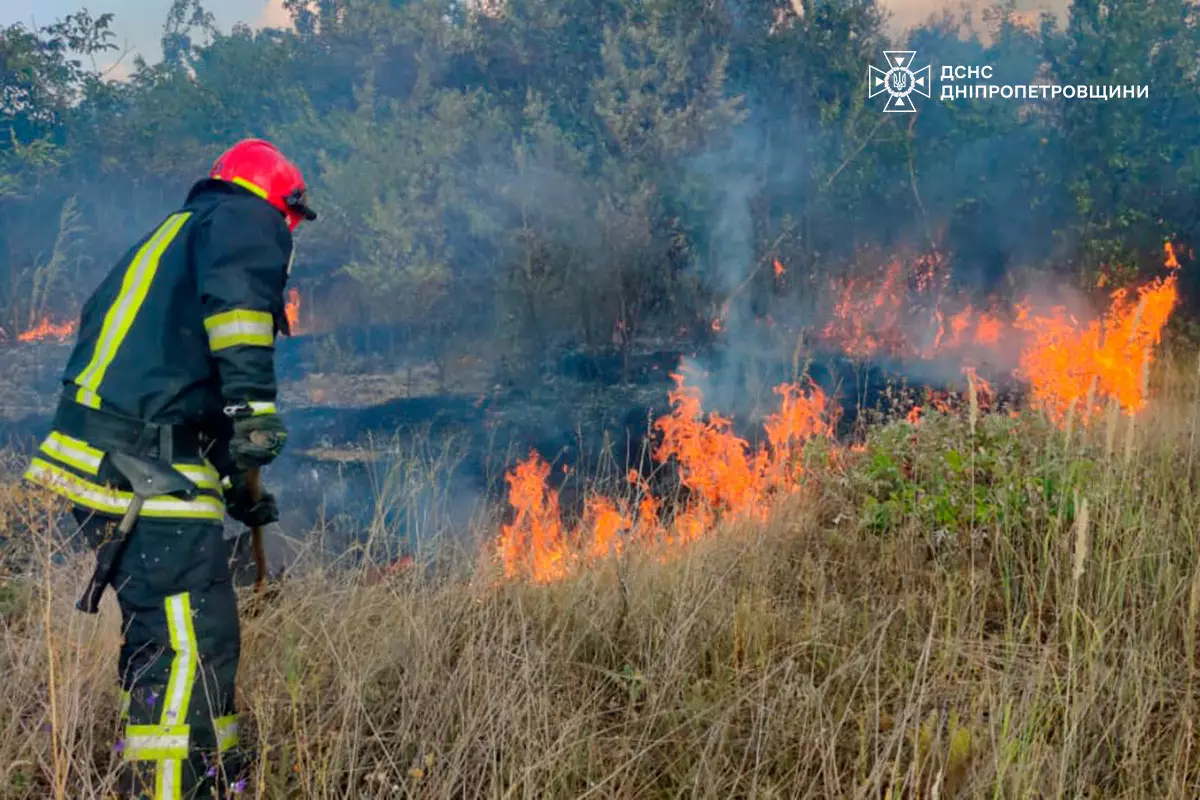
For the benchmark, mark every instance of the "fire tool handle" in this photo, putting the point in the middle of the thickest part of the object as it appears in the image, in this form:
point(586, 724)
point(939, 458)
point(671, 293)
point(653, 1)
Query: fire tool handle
point(254, 485)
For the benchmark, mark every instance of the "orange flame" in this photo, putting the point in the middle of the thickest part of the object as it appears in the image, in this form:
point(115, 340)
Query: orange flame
point(726, 478)
point(988, 329)
point(607, 522)
point(293, 310)
point(879, 316)
point(1061, 360)
point(535, 536)
point(779, 270)
point(48, 330)
point(1172, 261)
point(866, 317)
point(1066, 362)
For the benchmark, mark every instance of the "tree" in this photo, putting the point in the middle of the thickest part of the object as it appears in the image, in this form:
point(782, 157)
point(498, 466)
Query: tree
point(1130, 163)
point(43, 79)
point(541, 174)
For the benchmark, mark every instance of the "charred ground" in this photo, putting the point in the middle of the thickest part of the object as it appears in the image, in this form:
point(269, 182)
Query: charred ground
point(591, 414)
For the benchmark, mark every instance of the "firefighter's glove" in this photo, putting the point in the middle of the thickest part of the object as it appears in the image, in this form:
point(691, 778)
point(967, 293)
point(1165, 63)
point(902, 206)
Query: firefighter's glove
point(257, 440)
point(241, 505)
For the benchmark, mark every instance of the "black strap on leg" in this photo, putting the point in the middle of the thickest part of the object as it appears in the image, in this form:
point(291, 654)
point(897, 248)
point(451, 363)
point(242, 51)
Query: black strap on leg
point(108, 557)
point(109, 552)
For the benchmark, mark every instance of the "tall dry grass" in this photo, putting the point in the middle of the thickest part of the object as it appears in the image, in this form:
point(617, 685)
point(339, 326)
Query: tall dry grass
point(980, 606)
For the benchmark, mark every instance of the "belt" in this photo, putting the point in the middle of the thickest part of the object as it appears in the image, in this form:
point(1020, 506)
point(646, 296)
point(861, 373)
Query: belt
point(108, 430)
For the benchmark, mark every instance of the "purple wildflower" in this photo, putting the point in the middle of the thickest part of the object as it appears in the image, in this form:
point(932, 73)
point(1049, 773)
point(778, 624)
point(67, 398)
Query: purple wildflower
point(240, 786)
point(119, 747)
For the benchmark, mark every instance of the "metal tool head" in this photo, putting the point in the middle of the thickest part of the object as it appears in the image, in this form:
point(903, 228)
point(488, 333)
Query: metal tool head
point(150, 478)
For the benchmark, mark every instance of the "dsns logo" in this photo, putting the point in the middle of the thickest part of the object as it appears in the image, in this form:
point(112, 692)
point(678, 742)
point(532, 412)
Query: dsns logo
point(899, 81)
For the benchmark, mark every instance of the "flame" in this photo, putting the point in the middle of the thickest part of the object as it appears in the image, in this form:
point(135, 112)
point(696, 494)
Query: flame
point(1066, 362)
point(535, 539)
point(726, 479)
point(1061, 360)
point(866, 316)
point(779, 270)
point(1172, 262)
point(607, 523)
point(293, 310)
point(48, 330)
point(983, 390)
point(988, 329)
point(884, 316)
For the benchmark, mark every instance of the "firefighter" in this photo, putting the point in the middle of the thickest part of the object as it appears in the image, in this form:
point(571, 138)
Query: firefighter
point(168, 403)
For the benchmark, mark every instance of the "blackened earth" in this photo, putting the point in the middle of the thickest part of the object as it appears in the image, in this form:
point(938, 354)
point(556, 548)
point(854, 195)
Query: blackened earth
point(406, 470)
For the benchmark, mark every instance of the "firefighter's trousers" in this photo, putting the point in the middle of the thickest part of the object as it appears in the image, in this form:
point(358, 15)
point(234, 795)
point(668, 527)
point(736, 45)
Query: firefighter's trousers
point(179, 657)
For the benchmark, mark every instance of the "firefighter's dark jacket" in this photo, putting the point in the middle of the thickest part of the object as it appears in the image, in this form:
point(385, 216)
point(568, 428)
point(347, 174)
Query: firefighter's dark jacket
point(182, 327)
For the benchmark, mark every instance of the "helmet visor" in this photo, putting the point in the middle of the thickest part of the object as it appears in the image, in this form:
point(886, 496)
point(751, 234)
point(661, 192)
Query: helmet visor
point(297, 202)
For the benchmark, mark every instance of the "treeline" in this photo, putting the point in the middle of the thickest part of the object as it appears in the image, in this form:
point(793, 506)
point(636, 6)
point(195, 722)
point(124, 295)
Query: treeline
point(511, 177)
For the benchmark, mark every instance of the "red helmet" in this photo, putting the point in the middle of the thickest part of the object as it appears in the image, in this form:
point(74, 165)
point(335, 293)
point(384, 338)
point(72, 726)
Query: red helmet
point(258, 166)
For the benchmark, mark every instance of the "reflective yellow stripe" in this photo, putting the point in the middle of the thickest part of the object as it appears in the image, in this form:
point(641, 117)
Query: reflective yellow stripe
point(168, 781)
point(227, 732)
point(111, 501)
point(259, 409)
point(183, 666)
point(70, 450)
point(252, 187)
point(156, 742)
point(204, 477)
point(86, 397)
point(240, 327)
point(120, 316)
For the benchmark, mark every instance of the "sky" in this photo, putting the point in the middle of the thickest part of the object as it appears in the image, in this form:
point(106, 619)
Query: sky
point(138, 23)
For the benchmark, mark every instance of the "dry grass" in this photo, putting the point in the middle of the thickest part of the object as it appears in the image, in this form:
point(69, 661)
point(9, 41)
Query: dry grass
point(983, 607)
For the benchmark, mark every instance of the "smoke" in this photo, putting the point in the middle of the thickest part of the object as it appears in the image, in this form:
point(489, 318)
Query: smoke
point(274, 15)
point(967, 200)
point(540, 193)
point(729, 181)
point(905, 14)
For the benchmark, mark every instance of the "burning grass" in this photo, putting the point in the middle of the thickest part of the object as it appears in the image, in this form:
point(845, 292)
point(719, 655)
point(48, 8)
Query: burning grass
point(978, 605)
point(292, 310)
point(724, 478)
point(969, 601)
point(1069, 368)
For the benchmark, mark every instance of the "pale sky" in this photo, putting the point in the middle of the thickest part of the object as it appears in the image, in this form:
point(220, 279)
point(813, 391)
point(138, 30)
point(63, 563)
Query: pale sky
point(138, 23)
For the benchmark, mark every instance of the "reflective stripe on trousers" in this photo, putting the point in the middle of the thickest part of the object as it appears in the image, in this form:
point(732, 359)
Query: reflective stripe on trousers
point(168, 743)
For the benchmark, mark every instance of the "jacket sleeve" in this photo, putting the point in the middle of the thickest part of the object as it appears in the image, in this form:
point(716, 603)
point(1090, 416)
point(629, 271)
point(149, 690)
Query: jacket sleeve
point(241, 257)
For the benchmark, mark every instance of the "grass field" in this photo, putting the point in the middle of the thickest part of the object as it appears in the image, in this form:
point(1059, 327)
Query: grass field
point(974, 606)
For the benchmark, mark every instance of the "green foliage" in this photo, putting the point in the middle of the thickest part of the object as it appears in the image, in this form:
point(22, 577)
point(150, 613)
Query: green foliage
point(596, 171)
point(951, 483)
